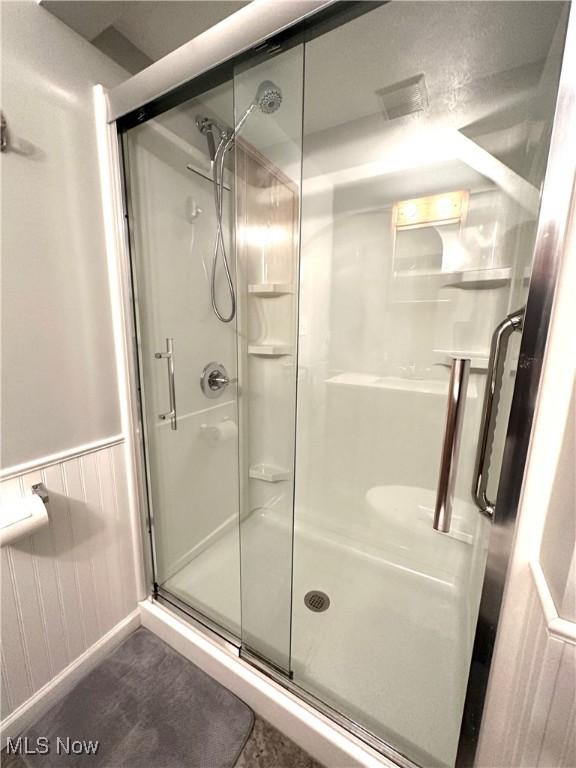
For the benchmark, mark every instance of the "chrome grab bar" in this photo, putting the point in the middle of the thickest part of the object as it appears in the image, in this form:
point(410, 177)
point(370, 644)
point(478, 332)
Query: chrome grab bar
point(498, 349)
point(451, 447)
point(169, 356)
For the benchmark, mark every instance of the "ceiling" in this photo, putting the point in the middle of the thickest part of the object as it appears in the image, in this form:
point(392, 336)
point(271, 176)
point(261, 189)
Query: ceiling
point(462, 48)
point(136, 33)
point(486, 67)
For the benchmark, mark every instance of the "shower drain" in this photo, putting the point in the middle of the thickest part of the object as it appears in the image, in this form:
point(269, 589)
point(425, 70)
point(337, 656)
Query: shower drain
point(317, 601)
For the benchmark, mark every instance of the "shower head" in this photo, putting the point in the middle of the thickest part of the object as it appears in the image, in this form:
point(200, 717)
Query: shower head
point(268, 100)
point(268, 97)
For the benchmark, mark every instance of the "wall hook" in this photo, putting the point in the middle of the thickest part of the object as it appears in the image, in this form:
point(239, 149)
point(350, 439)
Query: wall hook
point(3, 133)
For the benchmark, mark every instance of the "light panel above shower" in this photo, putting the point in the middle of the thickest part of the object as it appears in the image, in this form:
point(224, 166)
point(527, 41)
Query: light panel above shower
point(449, 207)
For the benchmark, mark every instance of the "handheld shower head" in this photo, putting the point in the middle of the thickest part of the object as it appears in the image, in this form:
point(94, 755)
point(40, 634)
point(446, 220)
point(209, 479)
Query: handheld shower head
point(268, 97)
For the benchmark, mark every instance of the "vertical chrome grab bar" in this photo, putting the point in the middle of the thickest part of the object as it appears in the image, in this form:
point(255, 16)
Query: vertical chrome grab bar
point(451, 447)
point(169, 356)
point(498, 349)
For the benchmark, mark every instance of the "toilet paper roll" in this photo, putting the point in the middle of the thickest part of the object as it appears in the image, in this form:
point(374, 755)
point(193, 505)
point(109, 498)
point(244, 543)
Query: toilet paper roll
point(220, 433)
point(21, 517)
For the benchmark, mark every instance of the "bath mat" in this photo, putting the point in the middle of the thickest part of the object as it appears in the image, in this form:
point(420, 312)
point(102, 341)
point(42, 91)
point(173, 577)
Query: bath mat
point(147, 707)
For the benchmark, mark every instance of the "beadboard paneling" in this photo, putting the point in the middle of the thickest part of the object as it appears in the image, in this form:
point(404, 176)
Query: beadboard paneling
point(539, 727)
point(67, 585)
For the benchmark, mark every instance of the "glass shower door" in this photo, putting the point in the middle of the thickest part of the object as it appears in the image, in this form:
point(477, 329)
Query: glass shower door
point(191, 439)
point(268, 157)
point(317, 502)
point(424, 151)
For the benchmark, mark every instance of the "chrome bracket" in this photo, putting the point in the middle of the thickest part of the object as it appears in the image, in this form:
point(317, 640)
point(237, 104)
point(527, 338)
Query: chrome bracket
point(40, 490)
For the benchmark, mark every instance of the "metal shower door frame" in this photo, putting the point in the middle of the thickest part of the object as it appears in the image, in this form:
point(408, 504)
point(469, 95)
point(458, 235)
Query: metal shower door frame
point(251, 30)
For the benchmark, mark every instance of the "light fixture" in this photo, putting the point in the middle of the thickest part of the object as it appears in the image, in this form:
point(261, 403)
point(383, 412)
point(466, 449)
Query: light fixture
point(446, 208)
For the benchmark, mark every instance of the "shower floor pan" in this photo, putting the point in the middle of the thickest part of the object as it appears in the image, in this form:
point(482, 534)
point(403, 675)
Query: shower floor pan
point(391, 651)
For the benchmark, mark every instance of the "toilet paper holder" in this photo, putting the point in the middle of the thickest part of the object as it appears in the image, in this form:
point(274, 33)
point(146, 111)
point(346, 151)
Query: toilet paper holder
point(40, 490)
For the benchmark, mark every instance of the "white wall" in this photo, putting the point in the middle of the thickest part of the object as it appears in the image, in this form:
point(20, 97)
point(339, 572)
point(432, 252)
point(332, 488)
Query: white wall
point(59, 380)
point(530, 714)
point(68, 586)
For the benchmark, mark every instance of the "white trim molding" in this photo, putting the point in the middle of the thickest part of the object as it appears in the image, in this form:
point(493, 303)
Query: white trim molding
point(32, 709)
point(118, 280)
point(560, 628)
point(37, 465)
point(248, 27)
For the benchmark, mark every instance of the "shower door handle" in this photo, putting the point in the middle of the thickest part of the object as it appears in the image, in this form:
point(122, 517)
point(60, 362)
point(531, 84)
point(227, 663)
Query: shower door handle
point(169, 357)
point(451, 446)
point(498, 349)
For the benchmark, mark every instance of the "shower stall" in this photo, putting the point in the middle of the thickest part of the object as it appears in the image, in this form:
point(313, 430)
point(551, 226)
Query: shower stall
point(338, 322)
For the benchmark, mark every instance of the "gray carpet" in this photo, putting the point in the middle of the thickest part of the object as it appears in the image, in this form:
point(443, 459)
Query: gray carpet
point(149, 707)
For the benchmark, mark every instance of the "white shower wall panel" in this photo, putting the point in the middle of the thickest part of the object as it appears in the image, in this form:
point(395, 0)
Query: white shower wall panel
point(196, 486)
point(317, 237)
point(194, 479)
point(174, 250)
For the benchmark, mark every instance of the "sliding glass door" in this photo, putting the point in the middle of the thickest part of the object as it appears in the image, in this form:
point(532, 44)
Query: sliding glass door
point(190, 431)
point(331, 253)
point(268, 159)
point(424, 153)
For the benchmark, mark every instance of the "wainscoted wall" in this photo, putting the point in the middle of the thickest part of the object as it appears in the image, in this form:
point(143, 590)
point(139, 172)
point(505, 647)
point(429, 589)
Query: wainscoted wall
point(541, 711)
point(66, 586)
point(68, 591)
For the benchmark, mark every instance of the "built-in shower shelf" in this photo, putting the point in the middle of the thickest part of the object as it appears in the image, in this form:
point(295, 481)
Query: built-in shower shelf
point(269, 350)
point(388, 383)
point(268, 473)
point(480, 279)
point(478, 360)
point(466, 279)
point(420, 301)
point(270, 290)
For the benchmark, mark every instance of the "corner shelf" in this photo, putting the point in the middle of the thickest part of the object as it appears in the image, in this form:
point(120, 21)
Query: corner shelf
point(270, 290)
point(268, 473)
point(465, 279)
point(478, 359)
point(269, 350)
point(480, 279)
